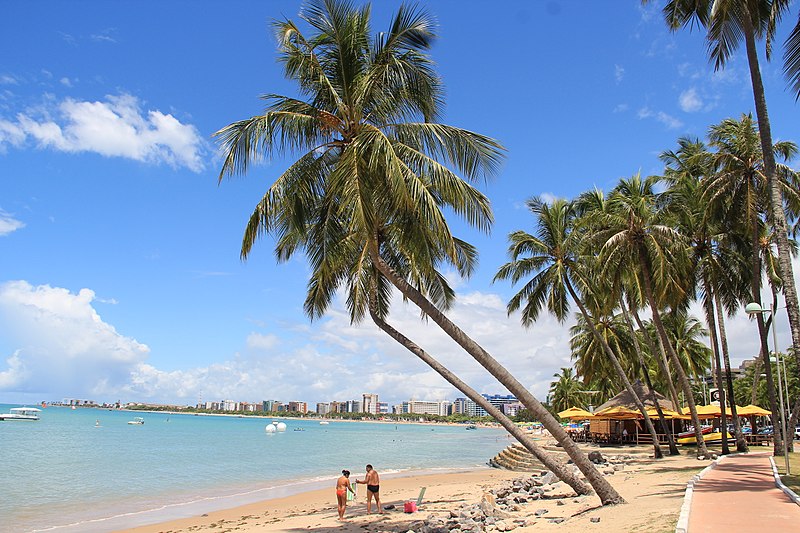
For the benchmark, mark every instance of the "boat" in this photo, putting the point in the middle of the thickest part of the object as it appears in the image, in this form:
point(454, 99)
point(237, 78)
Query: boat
point(299, 429)
point(324, 423)
point(21, 413)
point(472, 426)
point(714, 437)
point(137, 421)
point(686, 434)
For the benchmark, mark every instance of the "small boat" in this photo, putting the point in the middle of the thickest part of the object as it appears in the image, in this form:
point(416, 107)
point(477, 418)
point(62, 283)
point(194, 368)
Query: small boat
point(21, 413)
point(686, 434)
point(472, 426)
point(709, 438)
point(299, 429)
point(137, 421)
point(324, 423)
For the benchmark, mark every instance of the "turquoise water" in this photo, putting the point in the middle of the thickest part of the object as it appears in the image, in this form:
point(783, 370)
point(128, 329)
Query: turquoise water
point(63, 474)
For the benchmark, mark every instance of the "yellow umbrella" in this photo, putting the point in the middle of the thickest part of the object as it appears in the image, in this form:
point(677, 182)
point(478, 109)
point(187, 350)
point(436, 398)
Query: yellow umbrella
point(575, 413)
point(618, 413)
point(708, 411)
point(752, 410)
point(653, 412)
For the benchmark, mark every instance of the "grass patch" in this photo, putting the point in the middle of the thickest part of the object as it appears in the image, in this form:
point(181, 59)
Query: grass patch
point(792, 481)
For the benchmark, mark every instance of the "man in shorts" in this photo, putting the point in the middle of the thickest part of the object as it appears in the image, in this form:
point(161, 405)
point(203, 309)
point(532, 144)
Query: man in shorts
point(373, 483)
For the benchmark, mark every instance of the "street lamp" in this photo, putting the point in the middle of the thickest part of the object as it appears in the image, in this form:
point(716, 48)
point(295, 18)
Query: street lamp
point(751, 309)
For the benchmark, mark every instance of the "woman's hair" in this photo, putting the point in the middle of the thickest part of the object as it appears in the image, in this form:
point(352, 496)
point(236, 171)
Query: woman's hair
point(346, 473)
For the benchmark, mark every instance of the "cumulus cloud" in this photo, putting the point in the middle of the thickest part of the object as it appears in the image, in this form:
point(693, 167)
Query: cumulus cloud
point(9, 224)
point(690, 101)
point(62, 343)
point(116, 127)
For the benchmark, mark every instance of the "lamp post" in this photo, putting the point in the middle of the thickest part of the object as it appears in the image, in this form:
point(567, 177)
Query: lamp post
point(751, 309)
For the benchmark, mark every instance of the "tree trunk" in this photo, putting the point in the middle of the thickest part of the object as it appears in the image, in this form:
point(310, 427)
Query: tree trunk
point(673, 448)
point(741, 443)
point(607, 494)
point(657, 453)
point(562, 471)
point(702, 450)
point(712, 328)
point(660, 355)
point(755, 294)
point(776, 197)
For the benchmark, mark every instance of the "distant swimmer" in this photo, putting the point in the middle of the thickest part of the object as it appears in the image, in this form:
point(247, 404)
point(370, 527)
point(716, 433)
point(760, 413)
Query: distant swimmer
point(373, 482)
point(342, 486)
point(97, 423)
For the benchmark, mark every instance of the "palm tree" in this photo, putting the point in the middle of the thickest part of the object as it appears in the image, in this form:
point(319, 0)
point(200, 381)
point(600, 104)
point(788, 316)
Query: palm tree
point(565, 391)
point(728, 22)
point(591, 361)
point(737, 192)
point(551, 256)
point(372, 181)
point(635, 239)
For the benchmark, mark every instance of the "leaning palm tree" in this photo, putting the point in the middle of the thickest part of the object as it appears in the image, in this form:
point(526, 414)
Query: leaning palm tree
point(728, 23)
point(374, 176)
point(552, 258)
point(635, 239)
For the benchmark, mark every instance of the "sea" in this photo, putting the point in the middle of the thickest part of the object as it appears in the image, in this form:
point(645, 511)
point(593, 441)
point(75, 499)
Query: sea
point(88, 470)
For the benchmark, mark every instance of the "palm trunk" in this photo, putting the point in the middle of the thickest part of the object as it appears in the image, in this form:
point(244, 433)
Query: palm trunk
point(776, 198)
point(755, 294)
point(673, 448)
point(607, 494)
point(712, 328)
point(562, 471)
point(657, 453)
point(741, 443)
point(660, 355)
point(793, 421)
point(702, 450)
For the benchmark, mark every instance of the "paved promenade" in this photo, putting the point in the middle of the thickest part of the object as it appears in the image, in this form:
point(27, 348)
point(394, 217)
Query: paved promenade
point(739, 494)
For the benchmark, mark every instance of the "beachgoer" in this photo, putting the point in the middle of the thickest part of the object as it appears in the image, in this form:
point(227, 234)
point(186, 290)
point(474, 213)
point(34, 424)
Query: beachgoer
point(342, 486)
point(373, 483)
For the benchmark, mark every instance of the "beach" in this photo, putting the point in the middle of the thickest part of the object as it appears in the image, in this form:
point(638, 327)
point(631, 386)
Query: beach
point(653, 489)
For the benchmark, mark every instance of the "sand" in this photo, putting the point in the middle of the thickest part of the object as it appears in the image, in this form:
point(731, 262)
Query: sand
point(654, 491)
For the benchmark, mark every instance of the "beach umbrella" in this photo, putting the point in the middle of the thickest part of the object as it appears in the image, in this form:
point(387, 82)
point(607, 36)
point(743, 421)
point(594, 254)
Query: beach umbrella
point(709, 411)
point(574, 413)
point(668, 413)
point(618, 413)
point(752, 410)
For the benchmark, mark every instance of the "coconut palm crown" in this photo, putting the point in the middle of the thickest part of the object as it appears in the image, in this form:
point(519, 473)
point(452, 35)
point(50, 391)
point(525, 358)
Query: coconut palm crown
point(374, 169)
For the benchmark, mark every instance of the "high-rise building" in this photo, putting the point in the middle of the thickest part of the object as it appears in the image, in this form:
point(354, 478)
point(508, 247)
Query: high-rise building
point(440, 407)
point(369, 403)
point(323, 408)
point(297, 407)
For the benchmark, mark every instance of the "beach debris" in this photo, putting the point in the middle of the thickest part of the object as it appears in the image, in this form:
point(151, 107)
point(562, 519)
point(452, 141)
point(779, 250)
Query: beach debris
point(596, 457)
point(595, 519)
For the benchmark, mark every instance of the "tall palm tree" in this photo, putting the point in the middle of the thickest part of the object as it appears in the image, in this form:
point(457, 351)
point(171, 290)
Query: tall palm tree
point(552, 257)
point(728, 23)
point(373, 180)
point(737, 192)
point(635, 239)
point(591, 361)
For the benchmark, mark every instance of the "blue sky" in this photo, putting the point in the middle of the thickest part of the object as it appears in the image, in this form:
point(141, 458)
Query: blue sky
point(120, 275)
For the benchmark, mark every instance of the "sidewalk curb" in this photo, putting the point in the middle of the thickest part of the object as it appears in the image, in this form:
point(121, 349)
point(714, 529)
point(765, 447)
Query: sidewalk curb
point(683, 520)
point(778, 483)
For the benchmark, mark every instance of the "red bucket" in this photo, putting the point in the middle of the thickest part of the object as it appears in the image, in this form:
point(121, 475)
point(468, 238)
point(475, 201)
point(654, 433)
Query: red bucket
point(410, 506)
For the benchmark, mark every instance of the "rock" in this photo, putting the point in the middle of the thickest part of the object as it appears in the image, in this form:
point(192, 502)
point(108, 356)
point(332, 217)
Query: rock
point(608, 471)
point(596, 457)
point(618, 467)
point(529, 522)
point(541, 512)
point(594, 520)
point(488, 504)
point(560, 502)
point(516, 508)
point(556, 520)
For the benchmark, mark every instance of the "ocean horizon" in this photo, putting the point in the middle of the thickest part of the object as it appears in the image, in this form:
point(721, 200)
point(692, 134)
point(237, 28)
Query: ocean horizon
point(88, 470)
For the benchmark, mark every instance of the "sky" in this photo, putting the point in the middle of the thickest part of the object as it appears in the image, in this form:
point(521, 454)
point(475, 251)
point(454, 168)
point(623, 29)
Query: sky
point(120, 276)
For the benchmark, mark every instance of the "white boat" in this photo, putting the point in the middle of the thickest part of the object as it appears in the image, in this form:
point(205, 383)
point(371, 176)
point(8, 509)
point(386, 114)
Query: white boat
point(323, 423)
point(137, 421)
point(21, 413)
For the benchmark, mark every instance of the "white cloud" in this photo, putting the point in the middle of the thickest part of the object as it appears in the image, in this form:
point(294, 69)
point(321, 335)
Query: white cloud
point(259, 341)
point(62, 344)
point(690, 101)
point(548, 197)
point(116, 127)
point(620, 108)
point(6, 79)
point(8, 224)
point(668, 120)
point(619, 73)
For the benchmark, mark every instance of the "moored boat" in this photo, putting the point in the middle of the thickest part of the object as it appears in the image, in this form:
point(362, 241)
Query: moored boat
point(137, 421)
point(713, 437)
point(21, 413)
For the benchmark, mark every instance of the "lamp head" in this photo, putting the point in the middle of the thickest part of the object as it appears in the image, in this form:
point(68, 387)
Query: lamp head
point(753, 308)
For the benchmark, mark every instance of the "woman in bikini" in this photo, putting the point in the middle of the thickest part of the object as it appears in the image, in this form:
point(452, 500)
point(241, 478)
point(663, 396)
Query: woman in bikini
point(342, 486)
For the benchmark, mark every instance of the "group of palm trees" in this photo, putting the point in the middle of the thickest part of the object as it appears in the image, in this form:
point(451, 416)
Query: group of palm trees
point(365, 204)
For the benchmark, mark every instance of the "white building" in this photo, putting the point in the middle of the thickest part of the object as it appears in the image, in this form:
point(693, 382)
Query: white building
point(439, 407)
point(369, 403)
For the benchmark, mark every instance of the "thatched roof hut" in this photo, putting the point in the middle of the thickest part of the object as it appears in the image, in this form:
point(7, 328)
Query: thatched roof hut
point(624, 398)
